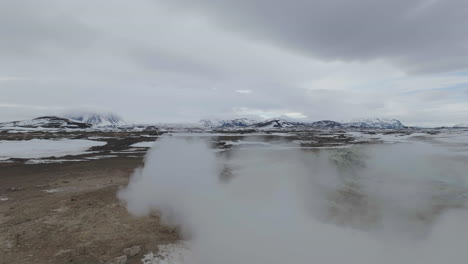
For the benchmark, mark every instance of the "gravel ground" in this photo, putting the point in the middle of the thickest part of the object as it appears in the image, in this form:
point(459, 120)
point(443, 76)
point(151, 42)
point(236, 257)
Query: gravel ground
point(69, 213)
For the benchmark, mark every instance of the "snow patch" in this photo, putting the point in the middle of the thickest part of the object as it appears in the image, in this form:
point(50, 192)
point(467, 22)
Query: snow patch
point(169, 254)
point(39, 148)
point(47, 161)
point(101, 157)
point(144, 144)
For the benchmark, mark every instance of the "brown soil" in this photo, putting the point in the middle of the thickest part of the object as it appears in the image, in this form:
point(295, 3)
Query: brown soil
point(79, 221)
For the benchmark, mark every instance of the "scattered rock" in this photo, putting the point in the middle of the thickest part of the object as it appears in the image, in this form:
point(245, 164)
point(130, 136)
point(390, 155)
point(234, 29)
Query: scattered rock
point(119, 260)
point(132, 251)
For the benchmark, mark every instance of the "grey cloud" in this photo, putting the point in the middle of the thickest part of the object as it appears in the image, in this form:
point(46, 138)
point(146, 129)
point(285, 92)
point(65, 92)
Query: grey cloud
point(155, 60)
point(182, 61)
point(29, 28)
point(417, 35)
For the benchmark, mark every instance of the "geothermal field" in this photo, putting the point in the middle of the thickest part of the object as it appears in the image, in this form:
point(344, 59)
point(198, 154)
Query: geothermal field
point(234, 132)
point(317, 196)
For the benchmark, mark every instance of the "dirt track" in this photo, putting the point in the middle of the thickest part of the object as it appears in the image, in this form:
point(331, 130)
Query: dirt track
point(69, 213)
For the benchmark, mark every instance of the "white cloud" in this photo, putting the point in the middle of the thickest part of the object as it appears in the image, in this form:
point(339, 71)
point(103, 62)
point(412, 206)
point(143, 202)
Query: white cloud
point(271, 113)
point(243, 91)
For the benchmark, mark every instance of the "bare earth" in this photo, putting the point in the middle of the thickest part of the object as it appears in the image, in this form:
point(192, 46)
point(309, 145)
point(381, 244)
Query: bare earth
point(69, 213)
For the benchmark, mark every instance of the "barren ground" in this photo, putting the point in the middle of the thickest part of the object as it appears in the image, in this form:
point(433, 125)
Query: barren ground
point(69, 213)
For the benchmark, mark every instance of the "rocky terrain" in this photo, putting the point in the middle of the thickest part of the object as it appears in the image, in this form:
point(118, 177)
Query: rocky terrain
point(58, 197)
point(69, 213)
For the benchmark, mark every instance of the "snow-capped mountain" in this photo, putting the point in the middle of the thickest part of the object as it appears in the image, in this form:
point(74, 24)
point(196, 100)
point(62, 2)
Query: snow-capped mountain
point(375, 123)
point(281, 123)
point(46, 122)
point(460, 126)
point(97, 119)
point(277, 123)
point(326, 124)
point(112, 121)
point(217, 123)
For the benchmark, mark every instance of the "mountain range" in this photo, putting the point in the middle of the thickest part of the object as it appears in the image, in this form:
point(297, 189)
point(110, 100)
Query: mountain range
point(277, 123)
point(69, 121)
point(217, 123)
point(45, 122)
point(109, 121)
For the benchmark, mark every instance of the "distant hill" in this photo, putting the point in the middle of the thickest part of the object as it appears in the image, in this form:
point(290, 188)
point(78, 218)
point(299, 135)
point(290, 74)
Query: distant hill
point(375, 123)
point(112, 121)
point(217, 123)
point(97, 119)
point(277, 123)
point(46, 122)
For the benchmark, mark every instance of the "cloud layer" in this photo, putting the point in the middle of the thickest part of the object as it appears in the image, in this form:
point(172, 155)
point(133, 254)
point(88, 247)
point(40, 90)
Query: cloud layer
point(155, 60)
point(418, 35)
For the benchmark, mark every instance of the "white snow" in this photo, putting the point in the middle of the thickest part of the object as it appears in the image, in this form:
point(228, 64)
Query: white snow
point(52, 190)
point(144, 144)
point(97, 119)
point(101, 157)
point(46, 161)
point(169, 254)
point(236, 123)
point(382, 123)
point(39, 148)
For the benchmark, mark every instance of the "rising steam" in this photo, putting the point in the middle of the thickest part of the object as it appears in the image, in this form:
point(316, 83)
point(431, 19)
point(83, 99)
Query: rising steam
point(366, 205)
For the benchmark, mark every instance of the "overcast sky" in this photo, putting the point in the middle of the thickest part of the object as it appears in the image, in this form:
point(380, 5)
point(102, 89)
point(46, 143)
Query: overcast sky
point(182, 60)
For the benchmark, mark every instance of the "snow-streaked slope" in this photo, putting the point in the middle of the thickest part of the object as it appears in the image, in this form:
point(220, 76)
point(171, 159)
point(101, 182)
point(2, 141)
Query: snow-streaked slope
point(281, 123)
point(276, 123)
point(45, 122)
point(218, 123)
point(110, 121)
point(39, 148)
point(326, 124)
point(97, 119)
point(375, 123)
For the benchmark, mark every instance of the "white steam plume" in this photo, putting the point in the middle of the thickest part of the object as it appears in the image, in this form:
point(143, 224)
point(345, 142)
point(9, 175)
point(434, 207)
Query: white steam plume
point(376, 204)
